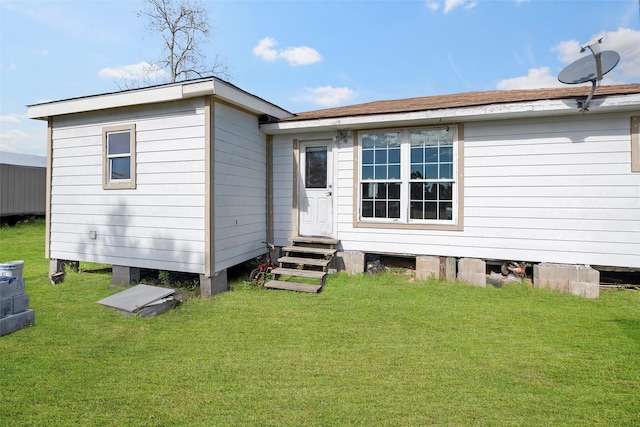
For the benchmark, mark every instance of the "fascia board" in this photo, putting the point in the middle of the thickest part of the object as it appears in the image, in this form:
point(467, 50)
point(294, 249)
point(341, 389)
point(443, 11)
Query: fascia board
point(102, 102)
point(232, 95)
point(464, 114)
point(223, 91)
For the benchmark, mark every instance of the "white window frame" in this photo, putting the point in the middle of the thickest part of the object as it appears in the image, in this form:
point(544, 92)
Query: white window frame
point(404, 221)
point(114, 184)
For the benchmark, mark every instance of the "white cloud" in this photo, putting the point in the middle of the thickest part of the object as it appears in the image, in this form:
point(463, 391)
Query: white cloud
point(12, 139)
point(12, 118)
point(27, 137)
point(627, 43)
point(568, 51)
point(449, 5)
point(140, 71)
point(264, 49)
point(13, 135)
point(301, 55)
point(433, 5)
point(624, 41)
point(327, 96)
point(535, 79)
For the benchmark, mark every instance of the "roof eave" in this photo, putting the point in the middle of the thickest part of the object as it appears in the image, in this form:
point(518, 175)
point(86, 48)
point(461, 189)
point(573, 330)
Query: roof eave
point(157, 94)
point(498, 111)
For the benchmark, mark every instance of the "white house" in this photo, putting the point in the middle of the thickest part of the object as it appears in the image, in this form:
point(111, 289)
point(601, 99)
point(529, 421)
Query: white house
point(505, 175)
point(191, 176)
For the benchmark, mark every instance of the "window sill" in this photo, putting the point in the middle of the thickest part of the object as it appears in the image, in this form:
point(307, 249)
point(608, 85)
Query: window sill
point(408, 226)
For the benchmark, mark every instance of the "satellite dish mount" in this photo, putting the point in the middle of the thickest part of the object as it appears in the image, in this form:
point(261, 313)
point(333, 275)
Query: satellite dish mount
point(589, 68)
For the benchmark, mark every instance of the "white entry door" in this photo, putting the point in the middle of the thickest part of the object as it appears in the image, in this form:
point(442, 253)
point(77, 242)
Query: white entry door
point(315, 196)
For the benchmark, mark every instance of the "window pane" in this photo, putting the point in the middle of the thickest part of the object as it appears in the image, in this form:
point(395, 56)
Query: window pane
point(417, 172)
point(446, 171)
point(381, 209)
point(431, 155)
point(430, 210)
point(118, 143)
point(446, 211)
point(120, 168)
point(367, 157)
point(367, 172)
point(431, 171)
point(368, 191)
point(368, 141)
point(446, 191)
point(446, 154)
point(367, 209)
point(417, 155)
point(394, 209)
point(385, 140)
point(394, 155)
point(394, 191)
point(381, 172)
point(381, 157)
point(416, 210)
point(416, 191)
point(431, 191)
point(394, 172)
point(382, 191)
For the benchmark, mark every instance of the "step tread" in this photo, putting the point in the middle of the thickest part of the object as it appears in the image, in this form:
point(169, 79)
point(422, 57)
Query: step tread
point(320, 240)
point(292, 286)
point(307, 250)
point(304, 261)
point(299, 273)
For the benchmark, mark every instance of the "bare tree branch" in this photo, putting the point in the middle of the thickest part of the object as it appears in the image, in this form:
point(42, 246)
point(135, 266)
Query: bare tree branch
point(183, 26)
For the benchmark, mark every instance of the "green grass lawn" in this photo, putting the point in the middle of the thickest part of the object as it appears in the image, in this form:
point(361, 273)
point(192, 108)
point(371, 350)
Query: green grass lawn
point(368, 350)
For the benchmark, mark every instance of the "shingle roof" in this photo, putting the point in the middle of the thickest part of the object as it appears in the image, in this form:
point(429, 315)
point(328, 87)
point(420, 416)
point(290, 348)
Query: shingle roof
point(468, 99)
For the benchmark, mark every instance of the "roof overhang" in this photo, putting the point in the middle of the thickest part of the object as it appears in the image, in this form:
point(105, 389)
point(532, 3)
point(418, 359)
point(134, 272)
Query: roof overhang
point(497, 111)
point(212, 86)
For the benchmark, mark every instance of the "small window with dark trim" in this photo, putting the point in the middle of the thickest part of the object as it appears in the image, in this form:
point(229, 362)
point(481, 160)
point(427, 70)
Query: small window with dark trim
point(119, 157)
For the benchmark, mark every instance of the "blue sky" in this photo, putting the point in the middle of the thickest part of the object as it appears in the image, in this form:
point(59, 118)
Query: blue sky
point(306, 55)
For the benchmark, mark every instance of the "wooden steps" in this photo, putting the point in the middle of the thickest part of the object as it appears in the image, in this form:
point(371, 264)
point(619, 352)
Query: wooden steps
point(306, 260)
point(292, 286)
point(309, 250)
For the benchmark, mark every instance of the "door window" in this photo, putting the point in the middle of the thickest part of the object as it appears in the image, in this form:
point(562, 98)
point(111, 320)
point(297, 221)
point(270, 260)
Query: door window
point(315, 175)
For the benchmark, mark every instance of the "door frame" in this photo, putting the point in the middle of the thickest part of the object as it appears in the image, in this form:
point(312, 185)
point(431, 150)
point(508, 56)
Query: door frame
point(298, 170)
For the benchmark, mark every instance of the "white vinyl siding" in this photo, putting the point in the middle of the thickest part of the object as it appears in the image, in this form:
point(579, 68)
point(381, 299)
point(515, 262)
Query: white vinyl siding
point(240, 189)
point(158, 225)
point(283, 216)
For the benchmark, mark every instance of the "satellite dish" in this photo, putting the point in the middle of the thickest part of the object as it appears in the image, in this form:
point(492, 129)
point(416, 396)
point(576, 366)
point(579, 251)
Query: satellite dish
point(590, 68)
point(585, 69)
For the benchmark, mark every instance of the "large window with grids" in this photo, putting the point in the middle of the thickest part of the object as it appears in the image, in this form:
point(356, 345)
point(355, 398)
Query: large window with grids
point(409, 176)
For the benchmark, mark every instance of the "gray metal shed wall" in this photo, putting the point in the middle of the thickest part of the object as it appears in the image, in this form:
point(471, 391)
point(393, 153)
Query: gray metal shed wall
point(22, 190)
